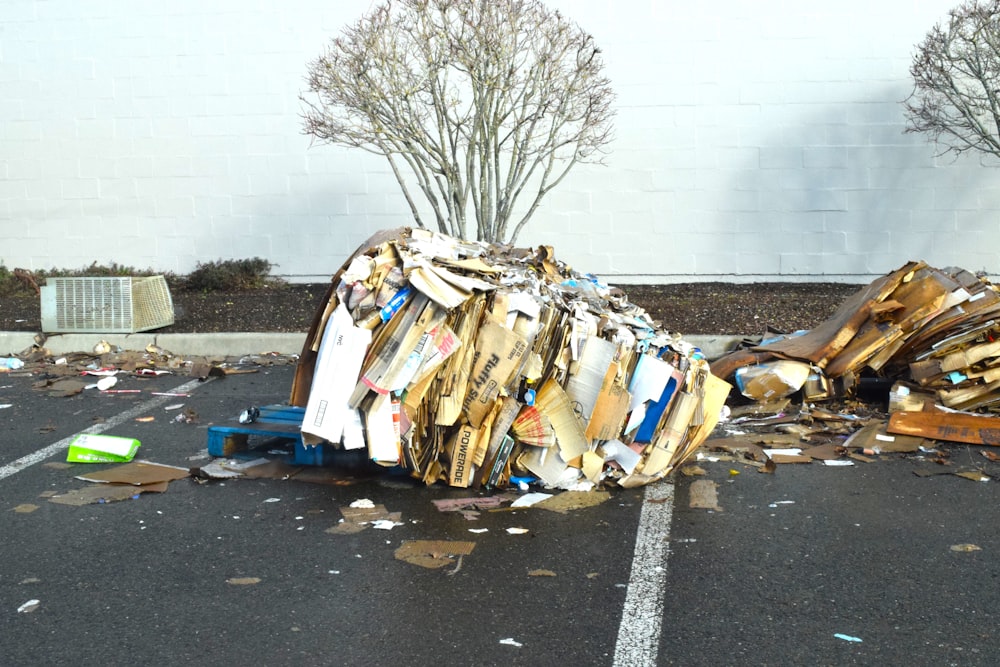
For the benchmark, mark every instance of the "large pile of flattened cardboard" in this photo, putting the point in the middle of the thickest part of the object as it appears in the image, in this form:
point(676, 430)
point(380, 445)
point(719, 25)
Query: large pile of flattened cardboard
point(469, 363)
point(935, 331)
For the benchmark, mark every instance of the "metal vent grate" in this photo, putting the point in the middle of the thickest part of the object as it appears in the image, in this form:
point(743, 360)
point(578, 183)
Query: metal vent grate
point(106, 305)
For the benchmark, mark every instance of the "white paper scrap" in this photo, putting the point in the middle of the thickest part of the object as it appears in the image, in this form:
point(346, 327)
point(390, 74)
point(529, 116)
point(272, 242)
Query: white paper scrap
point(28, 607)
point(794, 451)
point(529, 499)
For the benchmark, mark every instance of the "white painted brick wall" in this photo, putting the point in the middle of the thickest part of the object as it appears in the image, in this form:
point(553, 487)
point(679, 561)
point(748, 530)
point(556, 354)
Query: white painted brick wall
point(755, 141)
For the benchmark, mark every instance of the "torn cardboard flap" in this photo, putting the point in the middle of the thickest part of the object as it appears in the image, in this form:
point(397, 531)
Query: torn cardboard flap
point(504, 361)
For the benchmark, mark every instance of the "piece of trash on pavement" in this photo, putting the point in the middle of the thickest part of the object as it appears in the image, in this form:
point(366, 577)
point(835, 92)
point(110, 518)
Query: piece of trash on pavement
point(94, 448)
point(137, 473)
point(517, 531)
point(25, 508)
point(243, 581)
point(703, 495)
point(11, 363)
point(529, 499)
point(105, 493)
point(847, 638)
point(433, 554)
point(966, 547)
point(572, 500)
point(356, 519)
point(541, 573)
point(772, 380)
point(510, 641)
point(28, 607)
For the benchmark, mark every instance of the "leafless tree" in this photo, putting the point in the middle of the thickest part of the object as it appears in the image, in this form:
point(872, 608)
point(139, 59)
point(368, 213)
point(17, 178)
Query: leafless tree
point(477, 102)
point(956, 75)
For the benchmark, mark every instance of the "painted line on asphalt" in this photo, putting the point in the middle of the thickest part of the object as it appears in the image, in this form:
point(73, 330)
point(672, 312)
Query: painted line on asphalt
point(119, 419)
point(638, 642)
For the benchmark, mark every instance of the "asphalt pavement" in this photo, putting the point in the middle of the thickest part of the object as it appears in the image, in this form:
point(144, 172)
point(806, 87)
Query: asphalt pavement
point(811, 565)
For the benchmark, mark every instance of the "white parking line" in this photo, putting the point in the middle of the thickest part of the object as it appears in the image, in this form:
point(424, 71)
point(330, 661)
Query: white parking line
point(56, 447)
point(642, 615)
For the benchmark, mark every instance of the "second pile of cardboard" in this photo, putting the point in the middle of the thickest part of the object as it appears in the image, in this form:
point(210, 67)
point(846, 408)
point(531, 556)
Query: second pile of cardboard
point(937, 331)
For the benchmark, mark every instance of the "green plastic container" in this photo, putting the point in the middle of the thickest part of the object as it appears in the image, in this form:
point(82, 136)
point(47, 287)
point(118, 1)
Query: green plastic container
point(89, 448)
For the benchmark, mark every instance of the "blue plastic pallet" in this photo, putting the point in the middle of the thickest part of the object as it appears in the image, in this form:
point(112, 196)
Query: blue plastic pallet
point(281, 423)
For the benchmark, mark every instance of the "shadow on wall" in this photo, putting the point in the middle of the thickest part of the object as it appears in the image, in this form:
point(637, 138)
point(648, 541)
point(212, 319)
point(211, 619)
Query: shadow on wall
point(844, 195)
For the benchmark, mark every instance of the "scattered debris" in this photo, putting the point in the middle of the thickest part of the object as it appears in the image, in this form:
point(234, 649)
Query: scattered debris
point(28, 607)
point(25, 508)
point(137, 473)
point(105, 493)
point(965, 547)
point(510, 641)
point(243, 581)
point(541, 573)
point(433, 554)
point(572, 500)
point(704, 496)
point(360, 516)
point(530, 499)
point(847, 638)
point(921, 341)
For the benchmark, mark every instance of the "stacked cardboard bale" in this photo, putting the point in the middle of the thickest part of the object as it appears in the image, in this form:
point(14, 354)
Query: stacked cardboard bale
point(937, 330)
point(468, 363)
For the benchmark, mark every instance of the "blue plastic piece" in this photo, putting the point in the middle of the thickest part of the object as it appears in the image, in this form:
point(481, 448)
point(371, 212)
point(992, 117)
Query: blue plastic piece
point(648, 426)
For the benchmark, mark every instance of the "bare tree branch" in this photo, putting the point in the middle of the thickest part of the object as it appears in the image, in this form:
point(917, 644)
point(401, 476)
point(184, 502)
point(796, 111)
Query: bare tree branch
point(956, 75)
point(483, 101)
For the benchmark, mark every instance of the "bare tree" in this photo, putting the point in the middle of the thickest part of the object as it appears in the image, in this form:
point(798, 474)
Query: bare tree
point(477, 102)
point(956, 75)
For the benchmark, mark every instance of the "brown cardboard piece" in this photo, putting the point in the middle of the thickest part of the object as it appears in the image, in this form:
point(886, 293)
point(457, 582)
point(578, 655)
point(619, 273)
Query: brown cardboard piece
point(433, 554)
point(137, 473)
point(498, 355)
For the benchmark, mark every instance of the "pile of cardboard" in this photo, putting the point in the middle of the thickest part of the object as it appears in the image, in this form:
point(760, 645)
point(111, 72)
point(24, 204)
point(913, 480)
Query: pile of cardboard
point(937, 331)
point(471, 363)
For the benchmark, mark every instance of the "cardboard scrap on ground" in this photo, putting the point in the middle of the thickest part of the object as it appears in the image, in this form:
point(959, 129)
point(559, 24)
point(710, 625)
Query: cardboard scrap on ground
point(433, 554)
point(464, 363)
point(121, 483)
point(357, 519)
point(703, 495)
point(136, 473)
point(106, 493)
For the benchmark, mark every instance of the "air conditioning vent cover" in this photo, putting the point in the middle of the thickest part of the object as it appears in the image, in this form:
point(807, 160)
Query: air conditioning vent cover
point(106, 305)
